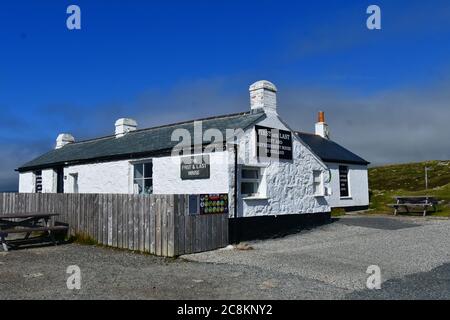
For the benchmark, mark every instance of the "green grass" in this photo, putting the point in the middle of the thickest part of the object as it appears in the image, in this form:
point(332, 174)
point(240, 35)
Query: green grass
point(82, 238)
point(337, 212)
point(386, 182)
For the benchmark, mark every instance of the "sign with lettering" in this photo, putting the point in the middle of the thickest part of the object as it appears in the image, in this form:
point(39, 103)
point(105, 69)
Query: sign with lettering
point(213, 203)
point(272, 142)
point(195, 167)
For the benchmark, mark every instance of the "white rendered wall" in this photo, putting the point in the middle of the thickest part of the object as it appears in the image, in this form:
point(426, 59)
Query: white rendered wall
point(105, 177)
point(26, 182)
point(358, 186)
point(48, 181)
point(167, 179)
point(287, 185)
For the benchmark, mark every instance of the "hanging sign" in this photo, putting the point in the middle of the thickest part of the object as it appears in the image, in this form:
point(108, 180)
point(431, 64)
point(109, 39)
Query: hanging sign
point(195, 167)
point(272, 142)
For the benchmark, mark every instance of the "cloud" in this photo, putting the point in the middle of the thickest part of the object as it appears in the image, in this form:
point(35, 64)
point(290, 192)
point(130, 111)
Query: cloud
point(401, 125)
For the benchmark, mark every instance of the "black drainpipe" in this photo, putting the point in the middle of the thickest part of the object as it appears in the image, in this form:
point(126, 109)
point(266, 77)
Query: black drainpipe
point(234, 223)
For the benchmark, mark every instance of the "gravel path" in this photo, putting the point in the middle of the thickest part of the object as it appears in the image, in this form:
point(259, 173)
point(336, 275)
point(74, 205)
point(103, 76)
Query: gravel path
point(325, 263)
point(339, 253)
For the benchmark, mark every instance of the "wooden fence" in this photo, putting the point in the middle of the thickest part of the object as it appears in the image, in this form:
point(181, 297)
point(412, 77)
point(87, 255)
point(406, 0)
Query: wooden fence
point(158, 224)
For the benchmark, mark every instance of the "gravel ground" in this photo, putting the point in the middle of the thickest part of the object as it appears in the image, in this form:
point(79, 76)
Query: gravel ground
point(325, 263)
point(338, 254)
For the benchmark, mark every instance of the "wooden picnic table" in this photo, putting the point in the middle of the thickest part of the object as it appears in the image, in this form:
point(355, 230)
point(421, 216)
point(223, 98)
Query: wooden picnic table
point(27, 223)
point(407, 202)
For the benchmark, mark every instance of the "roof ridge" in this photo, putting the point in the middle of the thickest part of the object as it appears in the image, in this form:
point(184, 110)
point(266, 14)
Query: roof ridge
point(170, 125)
point(308, 133)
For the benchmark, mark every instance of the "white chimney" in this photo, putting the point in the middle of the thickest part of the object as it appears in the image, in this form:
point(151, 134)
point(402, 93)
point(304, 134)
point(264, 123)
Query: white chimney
point(322, 127)
point(124, 125)
point(64, 139)
point(263, 95)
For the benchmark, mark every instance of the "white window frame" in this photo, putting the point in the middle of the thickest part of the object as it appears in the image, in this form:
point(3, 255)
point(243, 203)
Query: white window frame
point(143, 178)
point(74, 182)
point(256, 181)
point(318, 191)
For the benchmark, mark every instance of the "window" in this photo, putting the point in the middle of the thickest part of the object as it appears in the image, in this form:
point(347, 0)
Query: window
point(318, 183)
point(250, 180)
point(193, 204)
point(143, 178)
point(38, 181)
point(343, 181)
point(59, 180)
point(74, 178)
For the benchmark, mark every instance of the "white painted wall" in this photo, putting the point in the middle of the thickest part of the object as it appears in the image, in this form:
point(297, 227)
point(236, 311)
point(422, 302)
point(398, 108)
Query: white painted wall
point(358, 186)
point(287, 185)
point(167, 179)
point(105, 177)
point(26, 182)
point(48, 181)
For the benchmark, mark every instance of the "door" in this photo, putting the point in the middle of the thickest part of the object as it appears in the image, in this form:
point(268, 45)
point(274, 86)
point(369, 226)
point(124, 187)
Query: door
point(60, 180)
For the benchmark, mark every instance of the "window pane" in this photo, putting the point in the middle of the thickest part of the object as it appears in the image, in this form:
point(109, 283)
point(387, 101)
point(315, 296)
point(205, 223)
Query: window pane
point(148, 186)
point(140, 185)
point(148, 170)
point(138, 171)
point(248, 188)
point(250, 173)
point(317, 175)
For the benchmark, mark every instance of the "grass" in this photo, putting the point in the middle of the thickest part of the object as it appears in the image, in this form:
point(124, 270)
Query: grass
point(337, 212)
point(84, 239)
point(386, 182)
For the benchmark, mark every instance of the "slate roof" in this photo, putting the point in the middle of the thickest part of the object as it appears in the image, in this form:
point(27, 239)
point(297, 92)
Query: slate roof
point(330, 151)
point(136, 144)
point(157, 140)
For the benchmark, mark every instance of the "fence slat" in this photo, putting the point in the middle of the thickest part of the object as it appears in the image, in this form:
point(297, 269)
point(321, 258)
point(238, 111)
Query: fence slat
point(158, 224)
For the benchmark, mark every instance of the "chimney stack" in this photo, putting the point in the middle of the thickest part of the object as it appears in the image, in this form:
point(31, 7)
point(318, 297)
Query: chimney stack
point(263, 95)
point(322, 127)
point(124, 125)
point(64, 139)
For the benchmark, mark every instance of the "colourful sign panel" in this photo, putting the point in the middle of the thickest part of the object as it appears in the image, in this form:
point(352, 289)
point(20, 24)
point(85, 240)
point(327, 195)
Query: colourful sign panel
point(213, 203)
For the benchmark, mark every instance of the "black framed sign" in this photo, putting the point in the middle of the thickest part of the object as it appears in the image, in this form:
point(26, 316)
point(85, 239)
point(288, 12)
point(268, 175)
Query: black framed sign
point(195, 167)
point(271, 142)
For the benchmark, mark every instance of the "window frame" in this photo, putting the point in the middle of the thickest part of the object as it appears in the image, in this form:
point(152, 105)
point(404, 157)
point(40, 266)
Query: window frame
point(255, 181)
point(320, 191)
point(144, 177)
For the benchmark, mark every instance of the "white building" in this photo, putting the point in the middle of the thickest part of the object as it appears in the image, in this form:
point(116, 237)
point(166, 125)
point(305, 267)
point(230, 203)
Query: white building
point(310, 175)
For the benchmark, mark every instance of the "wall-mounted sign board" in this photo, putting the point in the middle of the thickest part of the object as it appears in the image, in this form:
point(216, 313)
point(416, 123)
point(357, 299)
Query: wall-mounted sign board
point(213, 203)
point(272, 142)
point(195, 167)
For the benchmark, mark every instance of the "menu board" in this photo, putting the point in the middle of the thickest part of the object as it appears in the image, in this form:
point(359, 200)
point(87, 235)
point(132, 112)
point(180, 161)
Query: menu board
point(343, 181)
point(273, 143)
point(213, 203)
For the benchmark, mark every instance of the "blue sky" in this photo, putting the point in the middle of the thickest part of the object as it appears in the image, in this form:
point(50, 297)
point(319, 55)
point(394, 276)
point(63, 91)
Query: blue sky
point(383, 91)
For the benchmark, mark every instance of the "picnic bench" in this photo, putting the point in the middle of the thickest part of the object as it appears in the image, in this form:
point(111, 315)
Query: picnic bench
point(422, 202)
point(27, 223)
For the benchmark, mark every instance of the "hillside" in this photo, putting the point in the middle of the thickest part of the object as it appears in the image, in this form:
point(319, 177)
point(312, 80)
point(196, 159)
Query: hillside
point(385, 182)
